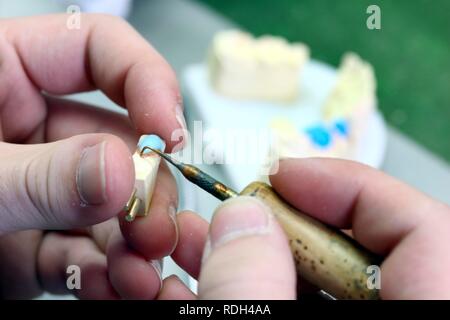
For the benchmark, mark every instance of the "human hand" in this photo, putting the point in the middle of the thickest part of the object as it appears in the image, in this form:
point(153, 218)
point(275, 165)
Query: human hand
point(62, 165)
point(248, 256)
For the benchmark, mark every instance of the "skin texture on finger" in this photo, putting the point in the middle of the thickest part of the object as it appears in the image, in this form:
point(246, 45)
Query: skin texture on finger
point(386, 216)
point(193, 231)
point(379, 209)
point(247, 255)
point(80, 118)
point(84, 119)
point(42, 186)
point(58, 251)
point(105, 53)
point(103, 233)
point(69, 118)
point(22, 107)
point(417, 268)
point(19, 278)
point(174, 289)
point(18, 256)
point(155, 235)
point(131, 274)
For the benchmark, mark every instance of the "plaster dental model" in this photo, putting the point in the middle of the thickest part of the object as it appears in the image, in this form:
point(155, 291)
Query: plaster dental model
point(344, 114)
point(266, 68)
point(353, 96)
point(146, 164)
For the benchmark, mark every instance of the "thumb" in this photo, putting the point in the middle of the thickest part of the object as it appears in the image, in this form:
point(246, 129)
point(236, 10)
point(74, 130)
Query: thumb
point(247, 255)
point(66, 184)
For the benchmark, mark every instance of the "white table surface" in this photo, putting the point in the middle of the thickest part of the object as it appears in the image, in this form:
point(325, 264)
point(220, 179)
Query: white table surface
point(181, 30)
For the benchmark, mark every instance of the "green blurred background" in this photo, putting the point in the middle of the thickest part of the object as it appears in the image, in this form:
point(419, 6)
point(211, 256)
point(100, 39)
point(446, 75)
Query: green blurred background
point(410, 54)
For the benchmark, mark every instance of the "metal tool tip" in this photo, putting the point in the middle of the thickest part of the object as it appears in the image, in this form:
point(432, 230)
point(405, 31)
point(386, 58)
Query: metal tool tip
point(155, 150)
point(151, 149)
point(161, 154)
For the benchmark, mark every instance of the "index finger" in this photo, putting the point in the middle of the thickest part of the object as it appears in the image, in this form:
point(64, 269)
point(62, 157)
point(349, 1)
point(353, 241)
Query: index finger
point(104, 53)
point(379, 209)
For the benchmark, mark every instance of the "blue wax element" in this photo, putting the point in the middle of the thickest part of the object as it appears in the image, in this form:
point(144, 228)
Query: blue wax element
point(342, 127)
point(319, 136)
point(152, 141)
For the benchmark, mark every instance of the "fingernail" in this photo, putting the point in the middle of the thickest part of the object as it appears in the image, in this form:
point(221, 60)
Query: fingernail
point(173, 216)
point(172, 210)
point(179, 115)
point(90, 177)
point(182, 122)
point(158, 266)
point(239, 217)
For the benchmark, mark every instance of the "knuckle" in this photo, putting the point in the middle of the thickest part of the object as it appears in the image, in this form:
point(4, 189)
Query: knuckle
point(35, 183)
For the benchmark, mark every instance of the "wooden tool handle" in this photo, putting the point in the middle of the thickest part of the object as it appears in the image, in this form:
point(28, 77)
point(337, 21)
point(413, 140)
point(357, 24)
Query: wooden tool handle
point(325, 256)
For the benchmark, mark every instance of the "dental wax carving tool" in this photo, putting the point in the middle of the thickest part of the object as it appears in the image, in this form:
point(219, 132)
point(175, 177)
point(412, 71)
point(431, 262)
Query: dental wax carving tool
point(146, 164)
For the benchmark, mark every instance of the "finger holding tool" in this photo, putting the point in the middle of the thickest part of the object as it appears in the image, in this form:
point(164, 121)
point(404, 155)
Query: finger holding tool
point(325, 256)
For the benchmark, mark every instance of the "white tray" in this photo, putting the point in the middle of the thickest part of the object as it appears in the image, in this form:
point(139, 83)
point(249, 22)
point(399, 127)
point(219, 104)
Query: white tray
point(221, 113)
